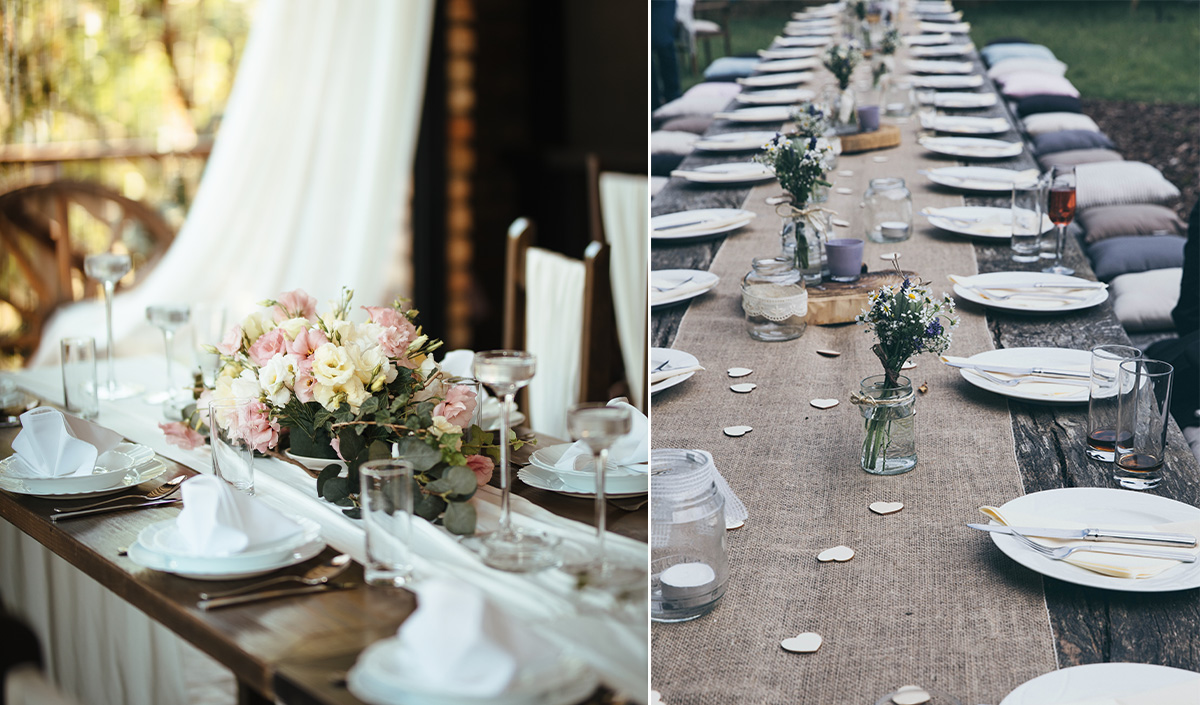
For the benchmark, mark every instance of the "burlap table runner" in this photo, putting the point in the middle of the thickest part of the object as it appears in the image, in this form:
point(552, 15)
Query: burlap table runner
point(926, 600)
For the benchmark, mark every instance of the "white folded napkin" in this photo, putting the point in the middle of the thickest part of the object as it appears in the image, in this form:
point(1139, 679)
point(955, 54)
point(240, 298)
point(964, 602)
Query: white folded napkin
point(1131, 567)
point(675, 292)
point(1182, 693)
point(54, 444)
point(459, 363)
point(463, 644)
point(656, 377)
point(631, 449)
point(217, 521)
point(708, 225)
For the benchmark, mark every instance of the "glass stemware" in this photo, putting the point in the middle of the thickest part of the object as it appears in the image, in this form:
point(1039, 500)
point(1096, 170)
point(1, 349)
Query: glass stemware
point(168, 318)
point(1061, 209)
point(208, 327)
point(108, 268)
point(508, 547)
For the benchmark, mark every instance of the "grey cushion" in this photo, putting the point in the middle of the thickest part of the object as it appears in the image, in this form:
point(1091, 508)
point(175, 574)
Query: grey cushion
point(1070, 139)
point(1132, 253)
point(698, 124)
point(730, 68)
point(1104, 222)
point(1113, 183)
point(1075, 157)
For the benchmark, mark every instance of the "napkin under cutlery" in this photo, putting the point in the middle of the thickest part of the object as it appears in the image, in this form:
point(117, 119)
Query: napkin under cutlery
point(54, 444)
point(656, 377)
point(711, 224)
point(631, 449)
point(674, 292)
point(218, 521)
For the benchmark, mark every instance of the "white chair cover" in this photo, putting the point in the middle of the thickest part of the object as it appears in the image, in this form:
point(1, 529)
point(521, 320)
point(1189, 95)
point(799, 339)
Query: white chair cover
point(625, 203)
point(307, 186)
point(26, 685)
point(553, 332)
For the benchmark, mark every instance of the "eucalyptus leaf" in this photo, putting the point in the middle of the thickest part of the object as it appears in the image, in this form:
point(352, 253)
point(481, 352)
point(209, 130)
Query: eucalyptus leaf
point(460, 518)
point(429, 506)
point(461, 480)
point(422, 456)
point(353, 512)
point(327, 473)
point(335, 488)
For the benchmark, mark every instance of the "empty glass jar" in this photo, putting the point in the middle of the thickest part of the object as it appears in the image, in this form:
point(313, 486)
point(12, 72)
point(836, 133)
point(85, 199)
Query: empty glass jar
point(775, 300)
point(898, 98)
point(889, 210)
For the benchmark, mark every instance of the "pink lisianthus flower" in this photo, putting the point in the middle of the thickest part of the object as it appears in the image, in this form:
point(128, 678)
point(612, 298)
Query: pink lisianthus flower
point(458, 407)
point(232, 342)
point(303, 387)
point(482, 466)
point(336, 444)
point(396, 333)
point(255, 426)
point(268, 346)
point(294, 304)
point(307, 342)
point(181, 435)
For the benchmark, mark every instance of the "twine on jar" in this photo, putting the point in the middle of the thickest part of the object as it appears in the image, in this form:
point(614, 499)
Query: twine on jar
point(809, 213)
point(860, 399)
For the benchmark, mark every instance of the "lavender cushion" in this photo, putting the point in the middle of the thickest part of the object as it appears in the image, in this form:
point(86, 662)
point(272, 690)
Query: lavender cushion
point(700, 99)
point(1104, 222)
point(1056, 122)
point(995, 53)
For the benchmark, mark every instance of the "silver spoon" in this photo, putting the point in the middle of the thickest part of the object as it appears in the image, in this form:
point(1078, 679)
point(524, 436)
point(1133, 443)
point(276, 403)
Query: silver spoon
point(318, 575)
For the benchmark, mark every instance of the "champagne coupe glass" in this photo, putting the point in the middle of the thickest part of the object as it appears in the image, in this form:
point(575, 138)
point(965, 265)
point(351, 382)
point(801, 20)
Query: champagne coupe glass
point(1061, 210)
point(510, 548)
point(108, 268)
point(168, 318)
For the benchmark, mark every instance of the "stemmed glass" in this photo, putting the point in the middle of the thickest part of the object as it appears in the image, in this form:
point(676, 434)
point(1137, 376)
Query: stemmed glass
point(508, 547)
point(168, 318)
point(1061, 210)
point(108, 268)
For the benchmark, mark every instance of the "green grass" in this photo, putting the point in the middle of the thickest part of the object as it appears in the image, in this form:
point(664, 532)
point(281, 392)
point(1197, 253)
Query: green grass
point(1150, 53)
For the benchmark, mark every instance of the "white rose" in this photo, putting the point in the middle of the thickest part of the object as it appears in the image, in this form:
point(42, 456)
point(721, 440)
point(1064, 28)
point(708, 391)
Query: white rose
point(245, 386)
point(292, 327)
point(368, 361)
point(332, 365)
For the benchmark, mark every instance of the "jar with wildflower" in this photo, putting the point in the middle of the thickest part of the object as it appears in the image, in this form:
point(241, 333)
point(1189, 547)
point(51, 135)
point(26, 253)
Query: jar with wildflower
point(800, 164)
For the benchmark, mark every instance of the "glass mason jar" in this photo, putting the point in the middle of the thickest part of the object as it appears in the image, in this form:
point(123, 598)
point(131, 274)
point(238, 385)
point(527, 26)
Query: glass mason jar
point(835, 146)
point(898, 98)
point(889, 210)
point(844, 115)
point(689, 562)
point(889, 413)
point(775, 300)
point(804, 246)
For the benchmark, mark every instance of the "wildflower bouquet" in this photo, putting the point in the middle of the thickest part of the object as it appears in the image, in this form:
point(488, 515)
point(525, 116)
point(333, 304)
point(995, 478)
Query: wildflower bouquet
point(841, 60)
point(799, 162)
point(810, 120)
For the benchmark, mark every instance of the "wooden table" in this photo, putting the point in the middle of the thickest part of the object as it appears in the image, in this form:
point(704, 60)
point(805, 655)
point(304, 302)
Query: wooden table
point(296, 650)
point(1090, 625)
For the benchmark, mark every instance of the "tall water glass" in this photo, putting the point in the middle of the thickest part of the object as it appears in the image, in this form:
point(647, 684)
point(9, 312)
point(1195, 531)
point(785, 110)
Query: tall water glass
point(1103, 399)
point(1028, 216)
point(79, 377)
point(232, 454)
point(168, 318)
point(387, 505)
point(1143, 412)
point(108, 268)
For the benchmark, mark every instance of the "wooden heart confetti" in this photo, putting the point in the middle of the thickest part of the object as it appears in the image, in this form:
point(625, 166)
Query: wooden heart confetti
point(731, 524)
point(845, 191)
point(908, 365)
point(805, 643)
point(745, 388)
point(889, 256)
point(841, 554)
point(911, 695)
point(828, 353)
point(885, 507)
point(737, 431)
point(776, 200)
point(879, 160)
point(840, 223)
point(656, 698)
point(824, 403)
point(924, 388)
point(739, 371)
point(846, 172)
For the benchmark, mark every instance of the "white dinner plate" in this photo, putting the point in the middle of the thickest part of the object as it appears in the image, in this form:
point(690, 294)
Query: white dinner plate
point(730, 173)
point(781, 96)
point(165, 539)
point(761, 113)
point(679, 285)
point(381, 676)
point(776, 80)
point(539, 478)
point(807, 29)
point(963, 125)
point(812, 18)
point(1091, 297)
point(978, 178)
point(979, 221)
point(789, 53)
point(828, 10)
point(928, 39)
point(944, 27)
point(132, 464)
point(972, 147)
point(1047, 392)
point(959, 101)
point(1100, 506)
point(735, 141)
point(1097, 680)
point(786, 65)
point(618, 479)
point(223, 568)
point(941, 67)
point(724, 220)
point(948, 82)
point(929, 52)
point(808, 41)
point(662, 359)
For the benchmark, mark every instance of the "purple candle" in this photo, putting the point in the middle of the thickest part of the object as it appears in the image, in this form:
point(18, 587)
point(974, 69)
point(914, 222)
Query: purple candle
point(868, 118)
point(845, 259)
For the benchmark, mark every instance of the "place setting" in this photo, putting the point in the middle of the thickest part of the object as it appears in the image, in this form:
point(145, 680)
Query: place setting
point(781, 96)
point(751, 141)
point(971, 147)
point(775, 80)
point(699, 223)
point(1045, 375)
point(964, 125)
point(947, 81)
point(801, 41)
point(787, 65)
point(789, 53)
point(956, 100)
point(1030, 292)
point(977, 221)
point(673, 286)
point(765, 113)
point(670, 367)
point(945, 67)
point(928, 52)
point(979, 178)
point(932, 39)
point(725, 174)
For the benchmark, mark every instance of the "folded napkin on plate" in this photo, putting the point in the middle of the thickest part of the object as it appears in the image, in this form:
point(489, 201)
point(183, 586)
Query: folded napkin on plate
point(217, 521)
point(1182, 693)
point(674, 292)
point(54, 444)
point(631, 449)
point(711, 223)
point(656, 377)
point(463, 644)
point(1131, 567)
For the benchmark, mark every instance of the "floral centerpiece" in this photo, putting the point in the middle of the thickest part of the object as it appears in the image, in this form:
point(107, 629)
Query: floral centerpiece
point(810, 120)
point(906, 321)
point(800, 164)
point(336, 388)
point(841, 60)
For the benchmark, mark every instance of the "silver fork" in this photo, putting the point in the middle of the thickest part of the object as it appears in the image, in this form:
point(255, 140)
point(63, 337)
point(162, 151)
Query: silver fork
point(1029, 295)
point(161, 492)
point(1063, 551)
point(676, 286)
point(1014, 382)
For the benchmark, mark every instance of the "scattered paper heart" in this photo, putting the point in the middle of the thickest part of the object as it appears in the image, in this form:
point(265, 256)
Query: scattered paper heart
point(744, 388)
point(911, 695)
point(908, 365)
point(845, 191)
point(731, 524)
point(656, 698)
point(736, 431)
point(805, 643)
point(840, 223)
point(889, 256)
point(841, 554)
point(886, 507)
point(739, 371)
point(828, 353)
point(879, 160)
point(846, 172)
point(824, 403)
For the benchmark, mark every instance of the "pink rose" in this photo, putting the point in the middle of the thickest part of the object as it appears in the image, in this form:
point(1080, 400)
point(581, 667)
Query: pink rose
point(396, 334)
point(303, 388)
point(295, 304)
point(482, 467)
point(181, 435)
point(458, 407)
point(268, 346)
point(255, 426)
point(307, 342)
point(232, 341)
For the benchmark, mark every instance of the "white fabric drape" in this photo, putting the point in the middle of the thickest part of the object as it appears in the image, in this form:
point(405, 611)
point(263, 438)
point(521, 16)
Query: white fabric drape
point(308, 182)
point(553, 333)
point(625, 206)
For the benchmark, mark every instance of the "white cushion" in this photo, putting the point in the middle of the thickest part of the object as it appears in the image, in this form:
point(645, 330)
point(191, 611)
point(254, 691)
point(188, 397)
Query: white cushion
point(1117, 183)
point(707, 27)
point(669, 142)
point(1050, 66)
point(657, 183)
point(701, 99)
point(1143, 300)
point(1057, 122)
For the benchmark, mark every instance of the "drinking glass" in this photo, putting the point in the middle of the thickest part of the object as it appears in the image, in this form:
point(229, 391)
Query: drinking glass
point(1103, 399)
point(508, 547)
point(1143, 412)
point(168, 318)
point(1028, 215)
point(387, 505)
point(208, 327)
point(232, 454)
point(79, 377)
point(1061, 209)
point(108, 268)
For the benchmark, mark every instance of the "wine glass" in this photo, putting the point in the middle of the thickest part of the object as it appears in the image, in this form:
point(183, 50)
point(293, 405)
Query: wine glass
point(108, 268)
point(208, 327)
point(168, 318)
point(1061, 210)
point(511, 548)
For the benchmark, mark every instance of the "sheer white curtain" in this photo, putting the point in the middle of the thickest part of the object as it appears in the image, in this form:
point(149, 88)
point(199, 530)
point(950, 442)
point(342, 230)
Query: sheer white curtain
point(625, 205)
point(307, 186)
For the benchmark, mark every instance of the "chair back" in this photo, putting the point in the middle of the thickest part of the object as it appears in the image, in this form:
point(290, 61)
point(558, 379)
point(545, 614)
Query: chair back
point(624, 206)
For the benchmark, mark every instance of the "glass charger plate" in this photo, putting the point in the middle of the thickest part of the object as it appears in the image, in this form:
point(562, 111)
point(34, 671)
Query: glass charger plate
point(1097, 680)
point(663, 359)
point(1092, 297)
point(1056, 358)
point(143, 466)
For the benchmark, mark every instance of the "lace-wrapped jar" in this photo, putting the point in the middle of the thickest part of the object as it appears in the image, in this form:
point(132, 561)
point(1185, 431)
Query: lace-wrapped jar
point(775, 300)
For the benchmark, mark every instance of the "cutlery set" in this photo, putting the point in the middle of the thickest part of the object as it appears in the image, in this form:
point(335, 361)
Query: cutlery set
point(159, 496)
point(1061, 552)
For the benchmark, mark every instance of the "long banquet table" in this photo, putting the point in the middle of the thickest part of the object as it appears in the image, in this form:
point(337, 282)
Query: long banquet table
point(296, 650)
point(925, 600)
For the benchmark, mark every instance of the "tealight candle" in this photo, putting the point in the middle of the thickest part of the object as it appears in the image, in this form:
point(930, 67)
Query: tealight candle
point(893, 230)
point(687, 581)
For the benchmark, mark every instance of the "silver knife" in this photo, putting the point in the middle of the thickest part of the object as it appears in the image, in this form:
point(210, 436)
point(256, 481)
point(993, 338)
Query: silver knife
point(220, 602)
point(1152, 538)
point(679, 225)
point(1035, 371)
point(118, 508)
